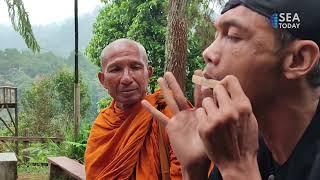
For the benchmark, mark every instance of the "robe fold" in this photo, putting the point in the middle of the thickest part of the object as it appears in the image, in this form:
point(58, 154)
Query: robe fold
point(125, 145)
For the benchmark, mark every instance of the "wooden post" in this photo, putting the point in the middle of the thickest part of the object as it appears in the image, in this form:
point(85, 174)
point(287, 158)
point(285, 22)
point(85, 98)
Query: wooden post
point(25, 146)
point(77, 111)
point(16, 130)
point(76, 74)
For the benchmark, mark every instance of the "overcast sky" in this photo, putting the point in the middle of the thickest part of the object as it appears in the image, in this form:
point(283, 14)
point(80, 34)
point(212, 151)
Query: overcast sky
point(42, 12)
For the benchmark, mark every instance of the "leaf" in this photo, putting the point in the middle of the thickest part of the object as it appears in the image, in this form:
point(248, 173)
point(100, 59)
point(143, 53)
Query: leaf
point(21, 23)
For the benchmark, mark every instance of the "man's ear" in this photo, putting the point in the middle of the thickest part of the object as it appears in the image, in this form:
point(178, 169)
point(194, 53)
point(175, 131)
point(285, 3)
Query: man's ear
point(150, 71)
point(300, 58)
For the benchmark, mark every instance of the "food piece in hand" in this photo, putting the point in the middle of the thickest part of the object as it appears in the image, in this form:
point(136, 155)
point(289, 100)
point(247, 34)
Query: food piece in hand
point(204, 82)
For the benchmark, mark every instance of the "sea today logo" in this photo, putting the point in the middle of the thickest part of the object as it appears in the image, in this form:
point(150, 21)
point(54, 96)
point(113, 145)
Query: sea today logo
point(285, 20)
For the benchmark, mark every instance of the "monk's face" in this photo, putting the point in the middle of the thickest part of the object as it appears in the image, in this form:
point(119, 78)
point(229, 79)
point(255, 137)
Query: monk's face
point(245, 46)
point(125, 74)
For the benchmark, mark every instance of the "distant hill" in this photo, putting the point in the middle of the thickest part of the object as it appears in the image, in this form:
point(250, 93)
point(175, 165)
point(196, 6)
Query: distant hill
point(20, 67)
point(57, 38)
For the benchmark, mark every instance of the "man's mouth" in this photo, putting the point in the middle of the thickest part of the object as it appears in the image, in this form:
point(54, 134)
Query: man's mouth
point(207, 76)
point(210, 83)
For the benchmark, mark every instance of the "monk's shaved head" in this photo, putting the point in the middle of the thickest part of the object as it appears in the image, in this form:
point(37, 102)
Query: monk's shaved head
point(125, 72)
point(119, 45)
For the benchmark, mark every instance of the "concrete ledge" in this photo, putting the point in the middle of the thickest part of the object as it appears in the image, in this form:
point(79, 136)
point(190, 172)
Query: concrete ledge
point(65, 169)
point(8, 166)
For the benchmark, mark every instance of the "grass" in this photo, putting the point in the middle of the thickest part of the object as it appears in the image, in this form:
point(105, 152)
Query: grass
point(32, 169)
point(32, 172)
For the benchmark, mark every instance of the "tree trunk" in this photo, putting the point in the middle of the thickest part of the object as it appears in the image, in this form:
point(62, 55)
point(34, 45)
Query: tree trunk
point(176, 41)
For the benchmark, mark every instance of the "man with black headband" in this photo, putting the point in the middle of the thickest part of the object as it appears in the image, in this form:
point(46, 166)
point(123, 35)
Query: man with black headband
point(266, 59)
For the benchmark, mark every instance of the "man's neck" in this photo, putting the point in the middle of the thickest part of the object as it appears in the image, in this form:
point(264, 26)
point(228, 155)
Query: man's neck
point(285, 122)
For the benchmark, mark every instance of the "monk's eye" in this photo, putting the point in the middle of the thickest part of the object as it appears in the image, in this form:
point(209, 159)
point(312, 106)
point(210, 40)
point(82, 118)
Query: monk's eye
point(136, 67)
point(114, 69)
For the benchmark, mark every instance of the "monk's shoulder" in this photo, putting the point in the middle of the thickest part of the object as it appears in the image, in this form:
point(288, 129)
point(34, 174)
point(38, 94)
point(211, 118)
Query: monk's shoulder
point(158, 101)
point(102, 116)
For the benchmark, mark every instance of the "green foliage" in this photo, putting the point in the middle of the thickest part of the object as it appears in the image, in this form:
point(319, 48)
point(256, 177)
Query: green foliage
point(21, 68)
point(48, 104)
point(64, 87)
point(145, 22)
point(32, 169)
point(37, 153)
point(104, 102)
point(20, 22)
point(48, 107)
point(75, 149)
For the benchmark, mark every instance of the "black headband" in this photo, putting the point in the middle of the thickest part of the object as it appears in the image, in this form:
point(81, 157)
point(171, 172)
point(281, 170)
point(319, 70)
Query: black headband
point(300, 17)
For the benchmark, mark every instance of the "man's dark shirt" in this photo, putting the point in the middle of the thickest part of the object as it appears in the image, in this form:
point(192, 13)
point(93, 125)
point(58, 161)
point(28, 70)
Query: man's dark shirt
point(303, 163)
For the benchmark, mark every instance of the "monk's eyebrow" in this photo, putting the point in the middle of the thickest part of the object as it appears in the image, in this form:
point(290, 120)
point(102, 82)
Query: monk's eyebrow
point(113, 64)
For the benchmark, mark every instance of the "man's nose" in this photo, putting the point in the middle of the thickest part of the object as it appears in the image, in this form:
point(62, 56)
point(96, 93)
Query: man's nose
point(126, 77)
point(211, 54)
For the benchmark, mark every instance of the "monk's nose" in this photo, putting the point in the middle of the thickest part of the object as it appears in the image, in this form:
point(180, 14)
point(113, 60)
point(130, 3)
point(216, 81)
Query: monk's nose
point(126, 77)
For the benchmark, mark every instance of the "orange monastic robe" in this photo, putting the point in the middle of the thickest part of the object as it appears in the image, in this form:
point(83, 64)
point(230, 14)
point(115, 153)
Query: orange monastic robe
point(124, 145)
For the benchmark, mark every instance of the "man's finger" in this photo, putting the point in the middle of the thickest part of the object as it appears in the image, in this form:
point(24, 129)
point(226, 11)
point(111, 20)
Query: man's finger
point(206, 92)
point(156, 113)
point(209, 106)
point(197, 91)
point(232, 85)
point(178, 95)
point(168, 96)
point(222, 97)
point(239, 99)
point(201, 115)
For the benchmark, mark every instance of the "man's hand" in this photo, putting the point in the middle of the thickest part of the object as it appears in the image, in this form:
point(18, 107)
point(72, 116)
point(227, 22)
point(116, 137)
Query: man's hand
point(182, 128)
point(229, 131)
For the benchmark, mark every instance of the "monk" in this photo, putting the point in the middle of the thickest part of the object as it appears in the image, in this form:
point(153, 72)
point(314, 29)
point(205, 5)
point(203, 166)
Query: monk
point(125, 141)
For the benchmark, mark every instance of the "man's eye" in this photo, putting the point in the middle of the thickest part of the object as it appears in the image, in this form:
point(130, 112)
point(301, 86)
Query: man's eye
point(233, 38)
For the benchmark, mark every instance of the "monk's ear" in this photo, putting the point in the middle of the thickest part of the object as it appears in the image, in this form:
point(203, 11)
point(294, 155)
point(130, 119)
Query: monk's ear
point(101, 78)
point(301, 56)
point(150, 71)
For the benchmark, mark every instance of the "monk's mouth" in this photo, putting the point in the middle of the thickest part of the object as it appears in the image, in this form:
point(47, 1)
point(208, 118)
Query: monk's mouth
point(128, 90)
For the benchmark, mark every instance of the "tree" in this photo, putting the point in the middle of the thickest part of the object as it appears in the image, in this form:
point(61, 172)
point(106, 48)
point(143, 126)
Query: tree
point(146, 21)
point(176, 41)
point(21, 23)
point(47, 105)
point(200, 35)
point(141, 20)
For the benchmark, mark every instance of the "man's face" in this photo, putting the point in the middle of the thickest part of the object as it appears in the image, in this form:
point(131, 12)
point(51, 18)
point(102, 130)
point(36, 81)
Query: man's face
point(245, 46)
point(125, 74)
